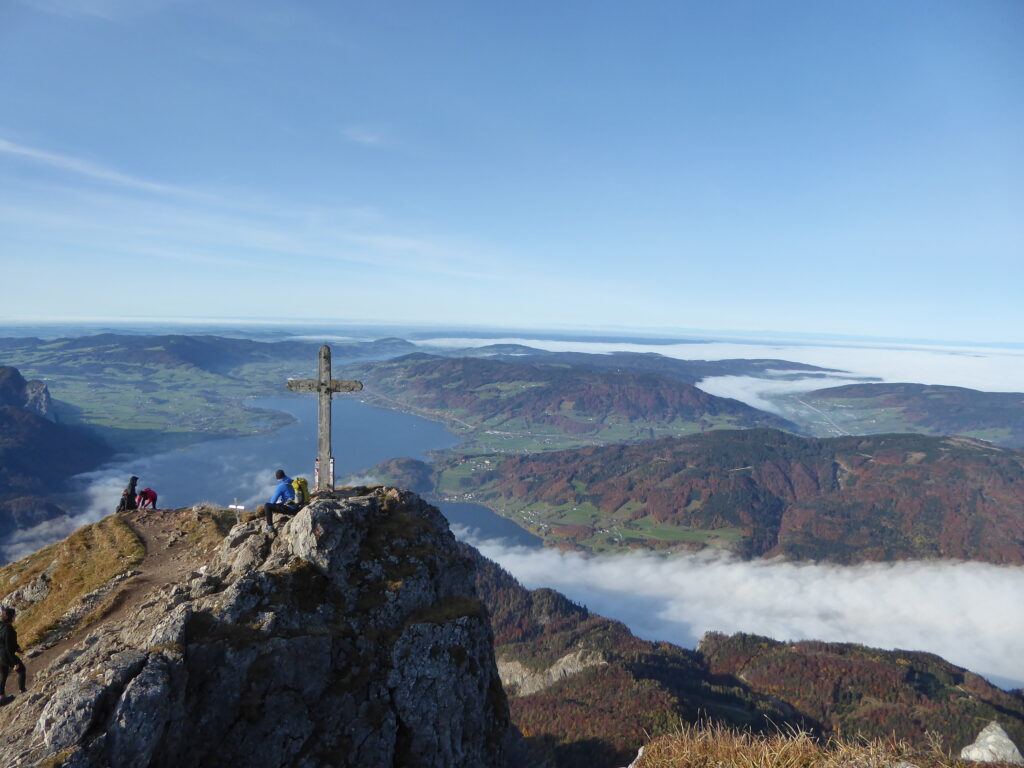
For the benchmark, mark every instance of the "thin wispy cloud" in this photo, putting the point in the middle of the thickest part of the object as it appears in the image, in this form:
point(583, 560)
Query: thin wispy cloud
point(106, 212)
point(359, 134)
point(90, 170)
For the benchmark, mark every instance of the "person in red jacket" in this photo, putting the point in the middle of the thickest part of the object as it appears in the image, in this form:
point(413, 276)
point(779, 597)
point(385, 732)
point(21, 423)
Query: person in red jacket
point(147, 496)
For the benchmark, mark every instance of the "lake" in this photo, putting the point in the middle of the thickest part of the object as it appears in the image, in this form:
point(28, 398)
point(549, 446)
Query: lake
point(242, 469)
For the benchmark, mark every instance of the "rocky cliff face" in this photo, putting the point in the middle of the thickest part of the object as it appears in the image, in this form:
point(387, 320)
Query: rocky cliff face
point(353, 637)
point(37, 455)
point(32, 396)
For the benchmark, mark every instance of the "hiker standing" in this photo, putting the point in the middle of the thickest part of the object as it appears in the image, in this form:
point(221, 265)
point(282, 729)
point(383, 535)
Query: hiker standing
point(128, 496)
point(9, 651)
point(146, 496)
point(282, 502)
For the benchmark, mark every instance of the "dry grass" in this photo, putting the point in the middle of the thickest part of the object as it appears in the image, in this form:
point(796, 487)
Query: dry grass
point(205, 526)
point(78, 565)
point(715, 746)
point(105, 608)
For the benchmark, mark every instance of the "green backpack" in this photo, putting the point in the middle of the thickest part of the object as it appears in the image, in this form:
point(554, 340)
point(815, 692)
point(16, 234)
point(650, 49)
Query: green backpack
point(301, 488)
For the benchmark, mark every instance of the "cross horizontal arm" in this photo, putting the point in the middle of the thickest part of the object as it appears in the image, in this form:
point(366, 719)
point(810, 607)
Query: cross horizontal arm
point(343, 385)
point(312, 385)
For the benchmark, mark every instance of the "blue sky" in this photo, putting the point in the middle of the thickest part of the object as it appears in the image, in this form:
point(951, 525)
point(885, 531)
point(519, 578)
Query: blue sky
point(828, 167)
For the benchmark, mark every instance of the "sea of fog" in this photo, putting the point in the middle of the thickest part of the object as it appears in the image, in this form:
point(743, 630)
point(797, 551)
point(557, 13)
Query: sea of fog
point(969, 613)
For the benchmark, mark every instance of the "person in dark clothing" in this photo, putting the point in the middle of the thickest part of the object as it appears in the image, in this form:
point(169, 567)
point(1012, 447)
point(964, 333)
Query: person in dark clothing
point(282, 502)
point(9, 651)
point(128, 496)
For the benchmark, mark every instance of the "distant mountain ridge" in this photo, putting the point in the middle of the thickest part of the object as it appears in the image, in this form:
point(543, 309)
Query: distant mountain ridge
point(851, 499)
point(152, 393)
point(555, 400)
point(690, 371)
point(215, 354)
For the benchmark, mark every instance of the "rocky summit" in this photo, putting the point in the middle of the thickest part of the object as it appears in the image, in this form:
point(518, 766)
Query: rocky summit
point(351, 637)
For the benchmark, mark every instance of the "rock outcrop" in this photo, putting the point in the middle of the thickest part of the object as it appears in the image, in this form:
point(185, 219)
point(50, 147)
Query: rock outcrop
point(38, 400)
point(520, 680)
point(32, 396)
point(352, 637)
point(993, 745)
point(37, 454)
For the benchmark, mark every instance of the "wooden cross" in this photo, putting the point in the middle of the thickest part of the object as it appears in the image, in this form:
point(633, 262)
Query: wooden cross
point(324, 386)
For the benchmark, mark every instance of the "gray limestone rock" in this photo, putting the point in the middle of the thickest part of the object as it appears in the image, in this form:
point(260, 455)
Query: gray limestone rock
point(993, 745)
point(69, 714)
point(352, 637)
point(38, 400)
point(141, 716)
point(520, 680)
point(36, 590)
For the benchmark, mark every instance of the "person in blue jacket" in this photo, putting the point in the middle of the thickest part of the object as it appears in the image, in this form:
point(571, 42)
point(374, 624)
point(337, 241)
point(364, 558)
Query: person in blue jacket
point(282, 502)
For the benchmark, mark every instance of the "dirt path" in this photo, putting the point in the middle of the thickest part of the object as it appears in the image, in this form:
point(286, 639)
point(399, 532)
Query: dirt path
point(169, 558)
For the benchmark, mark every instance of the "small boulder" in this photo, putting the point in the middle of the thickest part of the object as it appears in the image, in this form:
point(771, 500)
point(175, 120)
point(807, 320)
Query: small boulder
point(992, 746)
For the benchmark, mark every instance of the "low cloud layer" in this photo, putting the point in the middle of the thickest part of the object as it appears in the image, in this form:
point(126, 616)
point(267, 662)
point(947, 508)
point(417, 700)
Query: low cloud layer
point(966, 612)
point(98, 493)
point(755, 391)
point(986, 369)
point(98, 497)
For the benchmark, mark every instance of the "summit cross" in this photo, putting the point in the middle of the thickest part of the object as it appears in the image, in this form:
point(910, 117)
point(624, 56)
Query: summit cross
point(324, 386)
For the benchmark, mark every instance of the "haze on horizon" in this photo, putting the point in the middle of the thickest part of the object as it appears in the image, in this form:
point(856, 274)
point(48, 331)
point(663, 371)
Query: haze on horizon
point(796, 166)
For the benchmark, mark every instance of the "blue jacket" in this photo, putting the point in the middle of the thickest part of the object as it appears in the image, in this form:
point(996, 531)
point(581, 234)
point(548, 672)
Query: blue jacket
point(284, 493)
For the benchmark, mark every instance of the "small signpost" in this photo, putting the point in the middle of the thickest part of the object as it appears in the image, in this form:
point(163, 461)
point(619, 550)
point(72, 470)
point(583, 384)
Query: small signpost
point(324, 386)
point(239, 509)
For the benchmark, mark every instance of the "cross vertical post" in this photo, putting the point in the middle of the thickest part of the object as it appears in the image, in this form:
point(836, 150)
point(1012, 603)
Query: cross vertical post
point(324, 459)
point(324, 386)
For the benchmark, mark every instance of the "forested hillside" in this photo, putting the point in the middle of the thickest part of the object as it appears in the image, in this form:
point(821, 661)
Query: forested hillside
point(532, 405)
point(766, 493)
point(690, 371)
point(855, 690)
